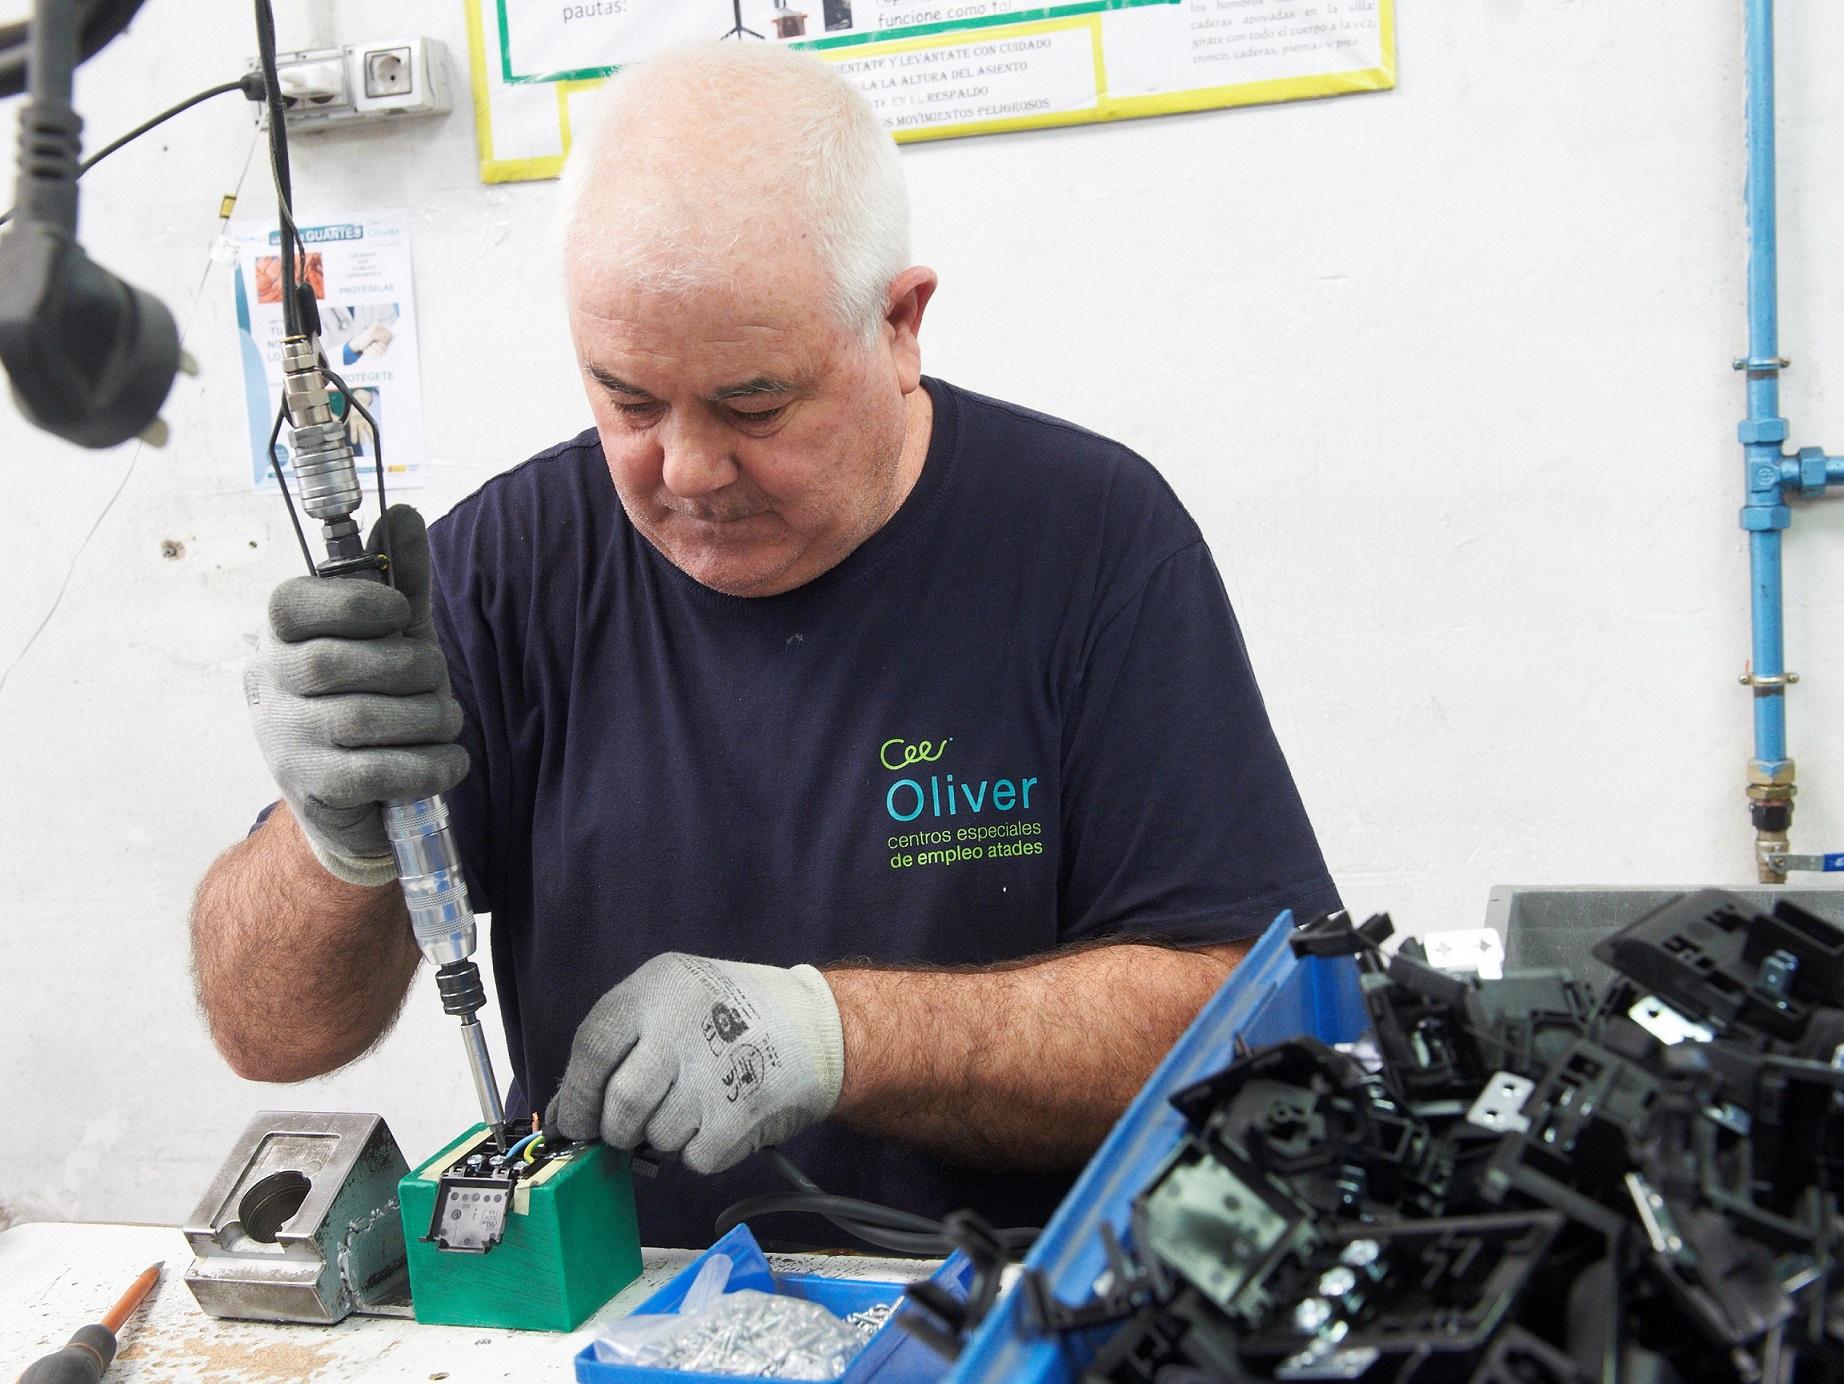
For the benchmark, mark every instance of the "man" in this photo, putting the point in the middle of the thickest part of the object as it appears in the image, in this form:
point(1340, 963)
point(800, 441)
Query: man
point(847, 667)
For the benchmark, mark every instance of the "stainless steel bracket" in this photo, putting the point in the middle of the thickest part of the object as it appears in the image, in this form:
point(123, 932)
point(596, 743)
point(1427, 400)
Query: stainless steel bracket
point(301, 1222)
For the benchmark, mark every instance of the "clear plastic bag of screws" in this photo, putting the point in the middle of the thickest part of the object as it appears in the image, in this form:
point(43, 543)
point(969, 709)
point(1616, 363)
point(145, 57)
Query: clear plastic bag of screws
point(747, 1333)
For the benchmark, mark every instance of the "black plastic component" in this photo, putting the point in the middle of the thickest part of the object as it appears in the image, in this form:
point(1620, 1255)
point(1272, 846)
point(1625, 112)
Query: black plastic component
point(1438, 1286)
point(1594, 1315)
point(1131, 1286)
point(1532, 1016)
point(1816, 943)
point(1518, 1356)
point(1430, 1052)
point(1657, 1206)
point(359, 565)
point(1587, 1107)
point(945, 1319)
point(1186, 1330)
point(1726, 1285)
point(1333, 934)
point(1773, 1171)
point(460, 987)
point(1234, 1234)
point(1708, 956)
point(1317, 1119)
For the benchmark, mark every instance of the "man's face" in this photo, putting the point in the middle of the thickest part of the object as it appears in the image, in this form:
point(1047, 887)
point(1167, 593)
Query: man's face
point(753, 439)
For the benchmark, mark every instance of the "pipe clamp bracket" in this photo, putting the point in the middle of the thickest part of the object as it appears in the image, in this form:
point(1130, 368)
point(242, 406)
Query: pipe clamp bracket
point(1767, 684)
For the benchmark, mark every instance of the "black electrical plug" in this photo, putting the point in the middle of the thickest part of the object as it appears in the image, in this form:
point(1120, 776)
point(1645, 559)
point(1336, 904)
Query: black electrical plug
point(91, 358)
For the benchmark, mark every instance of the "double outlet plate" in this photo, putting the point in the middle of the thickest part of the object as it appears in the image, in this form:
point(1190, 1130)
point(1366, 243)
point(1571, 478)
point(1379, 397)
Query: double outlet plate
point(383, 79)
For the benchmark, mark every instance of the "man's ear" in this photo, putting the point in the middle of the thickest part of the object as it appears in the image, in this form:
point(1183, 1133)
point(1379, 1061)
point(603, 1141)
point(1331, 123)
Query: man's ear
point(910, 292)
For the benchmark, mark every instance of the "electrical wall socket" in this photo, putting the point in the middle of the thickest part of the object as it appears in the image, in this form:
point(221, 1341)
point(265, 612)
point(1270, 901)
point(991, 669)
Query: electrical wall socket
point(381, 79)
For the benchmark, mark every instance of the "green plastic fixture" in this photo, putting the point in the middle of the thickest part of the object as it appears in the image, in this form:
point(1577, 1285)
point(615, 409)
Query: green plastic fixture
point(570, 1243)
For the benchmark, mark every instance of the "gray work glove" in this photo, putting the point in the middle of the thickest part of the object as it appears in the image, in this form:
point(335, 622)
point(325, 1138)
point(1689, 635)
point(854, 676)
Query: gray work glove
point(349, 694)
point(710, 1059)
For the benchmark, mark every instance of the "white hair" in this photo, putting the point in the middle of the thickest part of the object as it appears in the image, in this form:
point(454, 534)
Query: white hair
point(782, 123)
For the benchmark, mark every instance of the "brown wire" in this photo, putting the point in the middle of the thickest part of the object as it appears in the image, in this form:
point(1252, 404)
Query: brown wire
point(131, 1299)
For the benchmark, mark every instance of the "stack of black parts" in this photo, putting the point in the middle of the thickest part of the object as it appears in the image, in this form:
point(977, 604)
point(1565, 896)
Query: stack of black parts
point(1520, 1184)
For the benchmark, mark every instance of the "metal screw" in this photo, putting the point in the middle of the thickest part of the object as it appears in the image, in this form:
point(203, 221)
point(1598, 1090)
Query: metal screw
point(1336, 1283)
point(1361, 1254)
point(1310, 1317)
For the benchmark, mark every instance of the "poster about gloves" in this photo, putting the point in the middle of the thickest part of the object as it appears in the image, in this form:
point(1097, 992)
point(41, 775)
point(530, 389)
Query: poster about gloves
point(359, 270)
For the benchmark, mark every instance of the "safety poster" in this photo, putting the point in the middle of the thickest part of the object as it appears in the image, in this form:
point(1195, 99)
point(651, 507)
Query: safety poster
point(934, 69)
point(358, 267)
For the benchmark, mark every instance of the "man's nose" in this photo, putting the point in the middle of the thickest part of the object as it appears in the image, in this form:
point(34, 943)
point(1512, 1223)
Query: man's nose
point(697, 459)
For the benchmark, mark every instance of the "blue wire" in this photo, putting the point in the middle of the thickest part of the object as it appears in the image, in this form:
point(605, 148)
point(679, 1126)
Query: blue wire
point(514, 1151)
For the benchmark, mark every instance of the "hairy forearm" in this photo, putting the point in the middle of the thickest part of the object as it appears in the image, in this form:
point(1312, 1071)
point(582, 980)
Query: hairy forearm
point(297, 972)
point(1021, 1065)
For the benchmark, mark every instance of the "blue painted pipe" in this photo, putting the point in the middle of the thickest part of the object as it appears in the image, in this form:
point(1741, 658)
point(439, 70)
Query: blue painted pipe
point(1770, 704)
point(1765, 513)
point(1767, 472)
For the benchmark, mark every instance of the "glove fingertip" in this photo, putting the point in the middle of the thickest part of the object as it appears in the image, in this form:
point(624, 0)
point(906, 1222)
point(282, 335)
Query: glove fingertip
point(409, 550)
point(452, 764)
point(287, 598)
point(406, 528)
point(707, 1157)
point(569, 1117)
point(560, 1117)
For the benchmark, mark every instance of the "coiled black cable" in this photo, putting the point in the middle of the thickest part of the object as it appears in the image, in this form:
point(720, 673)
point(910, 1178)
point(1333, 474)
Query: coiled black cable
point(883, 1227)
point(278, 165)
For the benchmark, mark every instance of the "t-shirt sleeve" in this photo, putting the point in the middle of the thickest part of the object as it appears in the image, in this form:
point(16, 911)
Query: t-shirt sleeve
point(1180, 818)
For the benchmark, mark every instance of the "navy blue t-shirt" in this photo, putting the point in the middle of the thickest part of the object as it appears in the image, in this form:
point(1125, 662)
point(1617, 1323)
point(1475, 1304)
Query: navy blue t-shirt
point(1019, 715)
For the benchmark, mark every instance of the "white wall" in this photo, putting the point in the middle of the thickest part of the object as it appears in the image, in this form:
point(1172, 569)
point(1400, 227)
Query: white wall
point(1443, 372)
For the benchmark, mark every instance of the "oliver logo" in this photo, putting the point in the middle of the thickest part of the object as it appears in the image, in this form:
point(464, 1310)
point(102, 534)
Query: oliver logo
point(906, 799)
point(898, 753)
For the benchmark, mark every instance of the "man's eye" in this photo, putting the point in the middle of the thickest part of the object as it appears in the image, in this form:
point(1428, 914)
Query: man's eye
point(758, 415)
point(639, 412)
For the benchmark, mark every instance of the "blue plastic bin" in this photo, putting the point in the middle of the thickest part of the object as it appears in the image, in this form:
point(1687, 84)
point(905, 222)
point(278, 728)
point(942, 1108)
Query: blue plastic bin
point(1272, 996)
point(892, 1356)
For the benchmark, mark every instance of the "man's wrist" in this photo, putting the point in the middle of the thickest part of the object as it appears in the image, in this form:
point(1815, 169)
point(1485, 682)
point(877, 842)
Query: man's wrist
point(368, 872)
point(818, 1015)
point(313, 862)
point(885, 1063)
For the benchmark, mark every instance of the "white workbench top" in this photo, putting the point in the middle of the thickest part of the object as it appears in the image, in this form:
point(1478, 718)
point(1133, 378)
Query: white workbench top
point(54, 1277)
